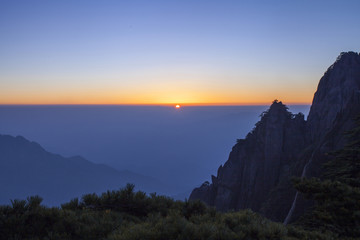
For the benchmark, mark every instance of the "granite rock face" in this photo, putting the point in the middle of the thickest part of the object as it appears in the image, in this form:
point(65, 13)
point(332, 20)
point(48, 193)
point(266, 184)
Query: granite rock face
point(258, 173)
point(338, 90)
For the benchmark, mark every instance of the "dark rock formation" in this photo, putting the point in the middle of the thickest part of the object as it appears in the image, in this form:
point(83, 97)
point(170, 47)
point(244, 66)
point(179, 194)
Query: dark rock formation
point(338, 91)
point(258, 173)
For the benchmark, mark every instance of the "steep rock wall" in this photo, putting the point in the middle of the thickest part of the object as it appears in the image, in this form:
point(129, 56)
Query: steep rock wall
point(258, 173)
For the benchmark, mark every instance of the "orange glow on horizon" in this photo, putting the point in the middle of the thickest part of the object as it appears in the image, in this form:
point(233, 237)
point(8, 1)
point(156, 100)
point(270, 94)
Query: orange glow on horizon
point(159, 104)
point(112, 101)
point(156, 93)
point(168, 97)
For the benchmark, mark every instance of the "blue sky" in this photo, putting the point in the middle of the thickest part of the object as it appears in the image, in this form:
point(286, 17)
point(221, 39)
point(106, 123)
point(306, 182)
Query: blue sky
point(154, 52)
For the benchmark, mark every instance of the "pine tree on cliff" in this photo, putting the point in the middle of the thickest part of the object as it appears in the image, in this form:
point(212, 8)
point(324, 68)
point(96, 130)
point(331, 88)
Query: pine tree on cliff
point(346, 165)
point(337, 196)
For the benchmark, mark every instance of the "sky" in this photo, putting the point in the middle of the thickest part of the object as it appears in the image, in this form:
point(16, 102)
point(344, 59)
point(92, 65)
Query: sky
point(169, 52)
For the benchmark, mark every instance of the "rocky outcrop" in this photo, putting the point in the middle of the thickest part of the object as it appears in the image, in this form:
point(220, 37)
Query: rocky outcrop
point(258, 173)
point(336, 102)
point(338, 91)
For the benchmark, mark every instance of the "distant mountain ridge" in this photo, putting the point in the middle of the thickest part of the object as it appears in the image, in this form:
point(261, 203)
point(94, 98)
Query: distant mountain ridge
point(258, 173)
point(28, 169)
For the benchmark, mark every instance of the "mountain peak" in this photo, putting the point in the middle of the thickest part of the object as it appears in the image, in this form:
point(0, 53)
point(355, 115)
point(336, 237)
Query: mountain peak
point(347, 57)
point(338, 89)
point(276, 110)
point(277, 106)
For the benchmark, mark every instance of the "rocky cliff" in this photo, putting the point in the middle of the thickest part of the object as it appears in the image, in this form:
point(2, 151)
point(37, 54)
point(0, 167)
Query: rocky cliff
point(258, 173)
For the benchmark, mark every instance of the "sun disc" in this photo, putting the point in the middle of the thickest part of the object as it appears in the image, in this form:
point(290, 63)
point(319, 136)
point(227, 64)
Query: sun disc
point(177, 106)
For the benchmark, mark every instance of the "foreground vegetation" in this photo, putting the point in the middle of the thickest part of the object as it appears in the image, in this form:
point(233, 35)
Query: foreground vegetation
point(337, 193)
point(126, 214)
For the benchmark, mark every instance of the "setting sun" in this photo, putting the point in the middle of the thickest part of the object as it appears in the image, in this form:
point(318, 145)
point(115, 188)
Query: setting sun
point(177, 106)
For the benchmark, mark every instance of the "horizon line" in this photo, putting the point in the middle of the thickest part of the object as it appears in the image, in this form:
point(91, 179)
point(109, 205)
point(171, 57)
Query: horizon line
point(148, 104)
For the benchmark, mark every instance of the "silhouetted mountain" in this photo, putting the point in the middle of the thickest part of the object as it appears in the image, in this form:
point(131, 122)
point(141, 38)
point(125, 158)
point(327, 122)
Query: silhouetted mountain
point(27, 169)
point(258, 173)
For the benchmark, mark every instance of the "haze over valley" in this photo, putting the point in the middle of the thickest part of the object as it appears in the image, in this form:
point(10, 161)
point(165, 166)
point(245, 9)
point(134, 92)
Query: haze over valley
point(178, 147)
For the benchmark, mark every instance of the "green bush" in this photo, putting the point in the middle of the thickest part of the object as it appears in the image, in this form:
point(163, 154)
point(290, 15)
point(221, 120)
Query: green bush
point(125, 214)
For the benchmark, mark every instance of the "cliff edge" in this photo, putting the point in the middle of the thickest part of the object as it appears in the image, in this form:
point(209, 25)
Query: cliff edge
point(258, 172)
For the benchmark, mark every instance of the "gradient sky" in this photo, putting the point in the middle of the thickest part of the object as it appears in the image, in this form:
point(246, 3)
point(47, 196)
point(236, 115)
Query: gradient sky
point(155, 52)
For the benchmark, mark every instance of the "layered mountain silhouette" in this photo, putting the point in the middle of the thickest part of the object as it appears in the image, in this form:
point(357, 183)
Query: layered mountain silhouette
point(27, 169)
point(282, 145)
